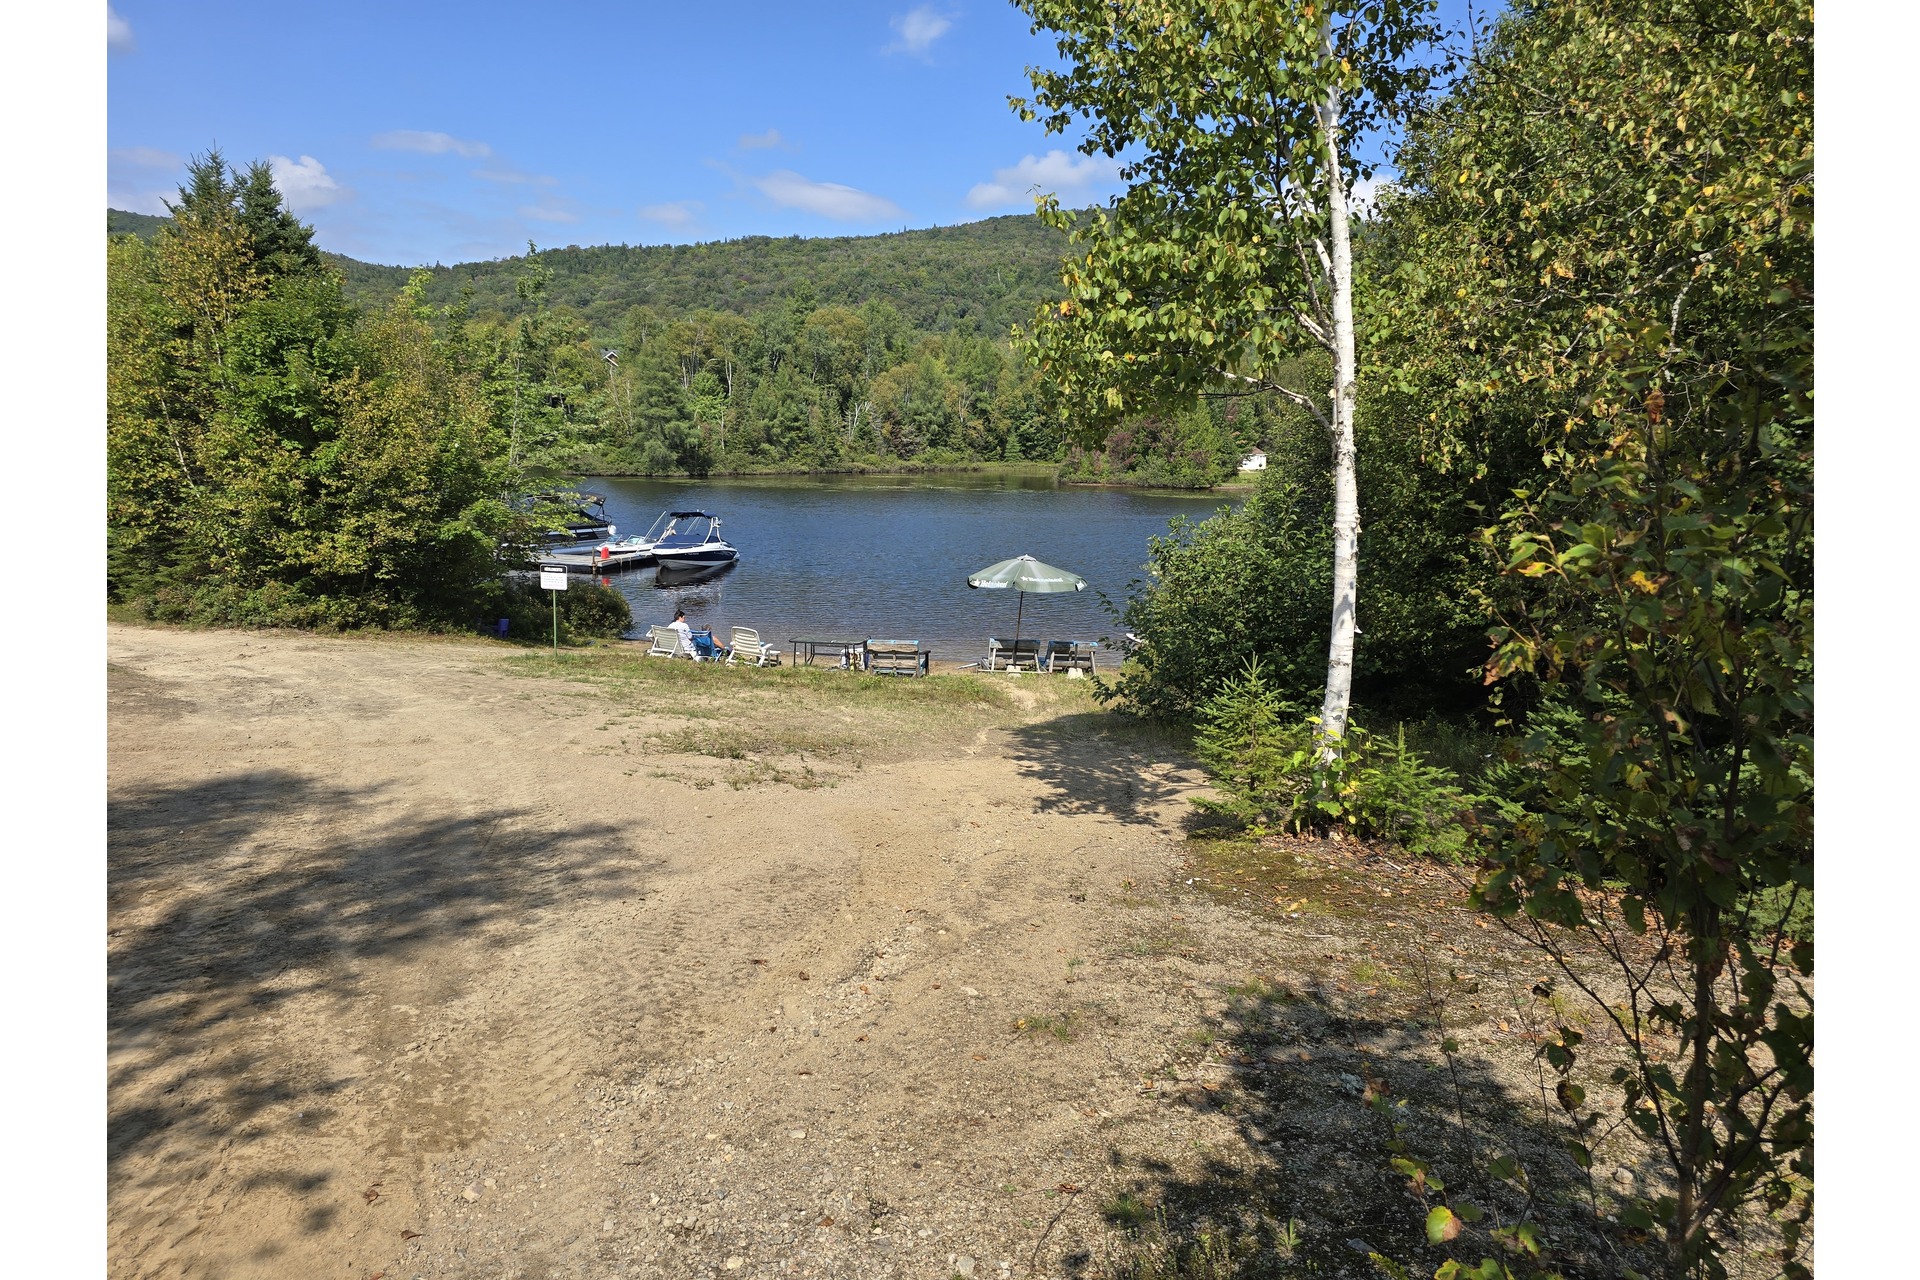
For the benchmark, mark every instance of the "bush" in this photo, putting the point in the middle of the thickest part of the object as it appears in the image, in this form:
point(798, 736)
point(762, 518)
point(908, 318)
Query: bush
point(1264, 753)
point(587, 610)
point(1258, 581)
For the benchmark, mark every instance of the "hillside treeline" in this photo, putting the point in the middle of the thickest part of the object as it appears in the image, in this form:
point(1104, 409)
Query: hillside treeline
point(784, 355)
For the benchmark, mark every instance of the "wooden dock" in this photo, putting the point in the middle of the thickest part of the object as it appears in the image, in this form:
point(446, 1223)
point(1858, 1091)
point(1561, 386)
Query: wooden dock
point(594, 562)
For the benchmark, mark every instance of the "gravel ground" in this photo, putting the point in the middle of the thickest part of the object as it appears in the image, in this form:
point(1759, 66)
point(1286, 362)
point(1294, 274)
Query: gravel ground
point(423, 966)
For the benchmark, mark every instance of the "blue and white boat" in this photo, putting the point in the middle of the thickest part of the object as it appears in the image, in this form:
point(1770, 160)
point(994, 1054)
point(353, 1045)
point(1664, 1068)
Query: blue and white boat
point(692, 541)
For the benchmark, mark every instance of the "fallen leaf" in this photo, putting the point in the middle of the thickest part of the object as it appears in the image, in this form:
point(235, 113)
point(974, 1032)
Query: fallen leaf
point(759, 961)
point(409, 1235)
point(979, 1057)
point(826, 1222)
point(1070, 1188)
point(803, 975)
point(369, 1195)
point(857, 1039)
point(1505, 1027)
point(936, 986)
point(803, 1073)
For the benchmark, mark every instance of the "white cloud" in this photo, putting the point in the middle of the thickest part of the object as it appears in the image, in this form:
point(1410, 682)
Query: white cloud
point(1062, 173)
point(306, 184)
point(1364, 196)
point(678, 213)
point(431, 143)
point(918, 30)
point(119, 34)
point(147, 158)
point(513, 177)
point(762, 141)
point(828, 199)
point(547, 213)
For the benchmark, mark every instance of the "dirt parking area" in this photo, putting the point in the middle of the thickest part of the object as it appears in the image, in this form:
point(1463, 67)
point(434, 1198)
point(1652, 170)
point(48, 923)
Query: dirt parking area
point(437, 958)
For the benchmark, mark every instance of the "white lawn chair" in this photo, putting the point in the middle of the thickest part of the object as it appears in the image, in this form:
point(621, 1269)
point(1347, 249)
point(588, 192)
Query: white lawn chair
point(747, 647)
point(666, 643)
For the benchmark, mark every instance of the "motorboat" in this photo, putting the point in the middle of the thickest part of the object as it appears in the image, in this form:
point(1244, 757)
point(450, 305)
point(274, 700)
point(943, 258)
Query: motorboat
point(692, 540)
point(635, 549)
point(585, 524)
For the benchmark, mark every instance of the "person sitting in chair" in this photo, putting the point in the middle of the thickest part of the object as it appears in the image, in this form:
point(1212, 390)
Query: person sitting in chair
point(679, 624)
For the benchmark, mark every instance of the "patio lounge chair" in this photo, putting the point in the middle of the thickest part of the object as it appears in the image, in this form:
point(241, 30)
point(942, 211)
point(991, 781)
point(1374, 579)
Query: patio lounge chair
point(1017, 655)
point(747, 647)
point(1070, 655)
point(665, 643)
point(896, 658)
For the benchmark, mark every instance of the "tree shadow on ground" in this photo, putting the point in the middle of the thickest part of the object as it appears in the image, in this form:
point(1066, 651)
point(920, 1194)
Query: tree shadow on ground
point(1311, 1190)
point(1097, 762)
point(227, 900)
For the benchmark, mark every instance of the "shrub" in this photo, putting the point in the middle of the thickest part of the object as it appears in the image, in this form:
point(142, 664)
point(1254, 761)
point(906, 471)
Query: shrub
point(587, 609)
point(1263, 753)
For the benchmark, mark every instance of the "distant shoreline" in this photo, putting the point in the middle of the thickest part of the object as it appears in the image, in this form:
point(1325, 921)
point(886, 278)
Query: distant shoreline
point(1050, 469)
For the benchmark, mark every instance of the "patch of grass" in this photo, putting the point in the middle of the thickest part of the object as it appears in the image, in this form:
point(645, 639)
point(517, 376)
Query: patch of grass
point(1154, 1250)
point(1061, 1027)
point(738, 742)
point(1569, 1013)
point(636, 671)
point(1127, 1211)
point(1368, 974)
point(1164, 939)
point(759, 771)
point(1258, 990)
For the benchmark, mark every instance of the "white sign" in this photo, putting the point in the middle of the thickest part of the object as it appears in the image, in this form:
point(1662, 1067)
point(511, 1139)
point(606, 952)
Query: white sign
point(553, 577)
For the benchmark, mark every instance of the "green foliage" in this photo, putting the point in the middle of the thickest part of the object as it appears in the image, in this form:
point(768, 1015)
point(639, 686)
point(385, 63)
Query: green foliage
point(1607, 228)
point(272, 456)
point(1265, 756)
point(587, 610)
point(769, 355)
point(1205, 269)
point(1255, 581)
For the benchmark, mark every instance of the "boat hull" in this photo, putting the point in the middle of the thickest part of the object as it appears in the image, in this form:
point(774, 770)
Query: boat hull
point(697, 557)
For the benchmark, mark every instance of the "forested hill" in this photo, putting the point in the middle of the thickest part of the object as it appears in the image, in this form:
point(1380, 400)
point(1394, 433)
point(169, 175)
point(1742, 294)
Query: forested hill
point(979, 277)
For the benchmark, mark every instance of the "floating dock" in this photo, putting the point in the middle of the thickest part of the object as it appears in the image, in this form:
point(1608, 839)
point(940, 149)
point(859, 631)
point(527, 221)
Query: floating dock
point(594, 562)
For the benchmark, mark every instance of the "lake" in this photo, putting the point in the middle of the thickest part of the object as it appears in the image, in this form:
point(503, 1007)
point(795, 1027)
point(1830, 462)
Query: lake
point(887, 557)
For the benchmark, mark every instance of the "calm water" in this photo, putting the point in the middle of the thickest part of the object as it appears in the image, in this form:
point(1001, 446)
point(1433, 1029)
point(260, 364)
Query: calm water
point(887, 557)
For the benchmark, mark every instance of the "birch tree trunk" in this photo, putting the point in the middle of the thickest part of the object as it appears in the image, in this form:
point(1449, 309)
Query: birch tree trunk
point(1346, 492)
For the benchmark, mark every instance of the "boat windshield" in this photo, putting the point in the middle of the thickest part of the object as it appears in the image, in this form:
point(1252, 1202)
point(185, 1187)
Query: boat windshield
point(688, 529)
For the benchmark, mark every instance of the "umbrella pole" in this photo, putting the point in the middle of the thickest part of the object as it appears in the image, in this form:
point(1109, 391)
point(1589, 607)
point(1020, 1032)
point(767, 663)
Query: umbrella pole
point(1017, 614)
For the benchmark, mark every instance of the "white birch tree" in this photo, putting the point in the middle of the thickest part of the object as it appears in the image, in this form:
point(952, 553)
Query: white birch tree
point(1239, 126)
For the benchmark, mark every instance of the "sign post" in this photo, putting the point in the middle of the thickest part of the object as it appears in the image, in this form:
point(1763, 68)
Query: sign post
point(554, 578)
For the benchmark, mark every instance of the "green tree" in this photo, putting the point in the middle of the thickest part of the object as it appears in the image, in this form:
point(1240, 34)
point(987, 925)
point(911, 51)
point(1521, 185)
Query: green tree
point(1606, 228)
point(272, 456)
point(1231, 252)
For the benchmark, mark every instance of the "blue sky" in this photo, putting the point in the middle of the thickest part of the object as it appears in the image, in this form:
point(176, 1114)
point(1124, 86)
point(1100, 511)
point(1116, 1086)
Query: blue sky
point(414, 132)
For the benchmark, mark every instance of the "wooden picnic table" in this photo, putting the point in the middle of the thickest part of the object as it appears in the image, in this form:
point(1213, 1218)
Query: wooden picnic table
point(807, 648)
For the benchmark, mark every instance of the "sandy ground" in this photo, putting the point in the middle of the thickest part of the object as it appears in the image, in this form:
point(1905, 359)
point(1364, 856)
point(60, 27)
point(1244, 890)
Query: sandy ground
point(422, 965)
point(397, 945)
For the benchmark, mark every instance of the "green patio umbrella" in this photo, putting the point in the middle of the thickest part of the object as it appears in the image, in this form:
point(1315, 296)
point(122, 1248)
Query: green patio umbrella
point(1024, 574)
